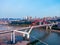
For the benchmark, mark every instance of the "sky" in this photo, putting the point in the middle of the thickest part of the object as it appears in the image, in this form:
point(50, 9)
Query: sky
point(23, 8)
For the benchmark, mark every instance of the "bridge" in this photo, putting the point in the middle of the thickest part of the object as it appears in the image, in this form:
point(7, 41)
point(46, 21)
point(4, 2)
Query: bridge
point(25, 32)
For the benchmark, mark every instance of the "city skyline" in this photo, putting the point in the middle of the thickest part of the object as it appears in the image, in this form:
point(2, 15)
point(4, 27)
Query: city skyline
point(22, 8)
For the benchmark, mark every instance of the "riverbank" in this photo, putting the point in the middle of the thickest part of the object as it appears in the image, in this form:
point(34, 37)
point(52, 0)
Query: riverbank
point(55, 31)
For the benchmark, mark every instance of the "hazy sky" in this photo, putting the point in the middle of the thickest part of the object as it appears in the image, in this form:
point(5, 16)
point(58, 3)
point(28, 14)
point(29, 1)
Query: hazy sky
point(21, 8)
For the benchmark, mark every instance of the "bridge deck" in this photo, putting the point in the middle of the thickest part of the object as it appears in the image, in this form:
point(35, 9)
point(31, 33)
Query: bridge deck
point(9, 31)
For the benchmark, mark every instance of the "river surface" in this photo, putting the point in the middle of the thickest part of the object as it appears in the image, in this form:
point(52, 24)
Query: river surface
point(38, 36)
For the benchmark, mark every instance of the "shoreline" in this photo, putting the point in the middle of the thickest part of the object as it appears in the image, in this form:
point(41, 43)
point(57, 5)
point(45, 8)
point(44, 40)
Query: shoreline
point(55, 31)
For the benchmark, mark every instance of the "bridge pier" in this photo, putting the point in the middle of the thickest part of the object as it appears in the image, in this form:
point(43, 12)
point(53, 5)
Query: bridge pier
point(47, 28)
point(24, 33)
point(28, 36)
point(13, 36)
point(50, 27)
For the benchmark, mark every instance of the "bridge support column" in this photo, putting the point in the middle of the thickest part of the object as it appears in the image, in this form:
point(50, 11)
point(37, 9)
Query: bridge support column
point(39, 23)
point(14, 37)
point(28, 36)
point(23, 35)
point(46, 27)
point(50, 27)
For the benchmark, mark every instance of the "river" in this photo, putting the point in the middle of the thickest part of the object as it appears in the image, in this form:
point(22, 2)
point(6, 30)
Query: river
point(38, 36)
